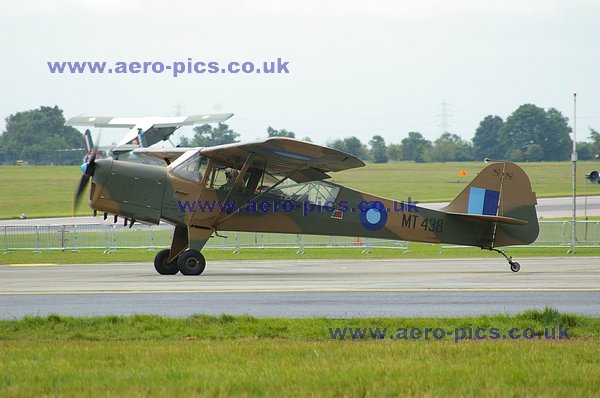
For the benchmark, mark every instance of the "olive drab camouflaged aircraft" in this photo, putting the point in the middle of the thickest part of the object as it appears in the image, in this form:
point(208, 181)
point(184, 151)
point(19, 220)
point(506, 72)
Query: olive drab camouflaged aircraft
point(279, 185)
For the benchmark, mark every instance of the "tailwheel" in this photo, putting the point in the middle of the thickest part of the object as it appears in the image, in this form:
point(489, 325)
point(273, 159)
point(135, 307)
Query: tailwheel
point(514, 266)
point(191, 262)
point(162, 264)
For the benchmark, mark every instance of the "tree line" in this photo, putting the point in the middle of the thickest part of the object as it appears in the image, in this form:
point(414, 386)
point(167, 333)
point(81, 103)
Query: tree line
point(40, 137)
point(530, 133)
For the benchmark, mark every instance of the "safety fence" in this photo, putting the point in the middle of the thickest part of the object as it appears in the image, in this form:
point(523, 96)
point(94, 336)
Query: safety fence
point(560, 234)
point(110, 237)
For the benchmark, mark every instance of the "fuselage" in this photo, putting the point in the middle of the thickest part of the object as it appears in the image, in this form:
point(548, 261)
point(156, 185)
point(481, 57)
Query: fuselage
point(152, 193)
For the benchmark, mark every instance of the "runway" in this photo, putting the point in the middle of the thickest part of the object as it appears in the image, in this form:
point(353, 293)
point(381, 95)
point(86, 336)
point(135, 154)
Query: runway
point(322, 288)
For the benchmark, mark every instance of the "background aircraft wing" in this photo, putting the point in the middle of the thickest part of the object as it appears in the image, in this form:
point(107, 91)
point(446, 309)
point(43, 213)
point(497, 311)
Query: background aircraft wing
point(176, 121)
point(148, 122)
point(103, 121)
point(280, 155)
point(156, 129)
point(153, 129)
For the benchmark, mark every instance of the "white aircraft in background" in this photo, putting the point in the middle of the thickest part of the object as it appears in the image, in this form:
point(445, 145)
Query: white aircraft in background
point(144, 131)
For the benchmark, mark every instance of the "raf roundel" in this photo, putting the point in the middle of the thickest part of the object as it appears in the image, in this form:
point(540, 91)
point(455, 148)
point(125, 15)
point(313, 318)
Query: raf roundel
point(373, 216)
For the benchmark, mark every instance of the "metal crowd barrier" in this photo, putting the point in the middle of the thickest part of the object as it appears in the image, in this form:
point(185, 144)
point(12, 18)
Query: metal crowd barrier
point(110, 237)
point(559, 234)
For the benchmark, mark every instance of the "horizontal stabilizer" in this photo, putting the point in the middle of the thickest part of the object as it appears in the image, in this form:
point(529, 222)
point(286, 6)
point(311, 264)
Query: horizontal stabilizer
point(498, 219)
point(122, 149)
point(167, 154)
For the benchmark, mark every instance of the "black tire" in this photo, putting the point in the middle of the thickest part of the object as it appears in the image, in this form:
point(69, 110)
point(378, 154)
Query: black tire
point(515, 267)
point(191, 262)
point(162, 265)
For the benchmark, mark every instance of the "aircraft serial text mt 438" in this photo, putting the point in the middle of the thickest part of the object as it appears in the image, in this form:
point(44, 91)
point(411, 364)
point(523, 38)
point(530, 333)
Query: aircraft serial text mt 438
point(279, 185)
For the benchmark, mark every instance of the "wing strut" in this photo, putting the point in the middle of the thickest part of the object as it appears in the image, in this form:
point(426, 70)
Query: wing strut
point(235, 211)
point(240, 175)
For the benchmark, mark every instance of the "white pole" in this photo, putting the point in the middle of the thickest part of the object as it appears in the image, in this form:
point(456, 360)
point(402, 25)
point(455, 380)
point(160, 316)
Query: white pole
point(574, 160)
point(585, 211)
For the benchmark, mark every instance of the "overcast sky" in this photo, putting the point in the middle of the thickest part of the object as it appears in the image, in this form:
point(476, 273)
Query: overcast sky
point(355, 67)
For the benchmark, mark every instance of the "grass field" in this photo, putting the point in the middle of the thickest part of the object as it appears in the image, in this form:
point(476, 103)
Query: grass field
point(245, 356)
point(437, 182)
point(47, 191)
point(416, 250)
point(44, 191)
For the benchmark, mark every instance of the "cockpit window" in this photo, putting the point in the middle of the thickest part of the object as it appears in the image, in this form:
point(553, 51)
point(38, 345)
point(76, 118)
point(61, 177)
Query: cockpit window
point(220, 177)
point(192, 169)
point(317, 192)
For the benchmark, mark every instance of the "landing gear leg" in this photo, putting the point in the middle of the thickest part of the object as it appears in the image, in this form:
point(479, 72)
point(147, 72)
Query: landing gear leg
point(191, 261)
point(514, 266)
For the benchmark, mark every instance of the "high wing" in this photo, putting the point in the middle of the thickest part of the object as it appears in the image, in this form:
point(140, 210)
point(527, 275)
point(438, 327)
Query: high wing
point(148, 129)
point(276, 155)
point(302, 161)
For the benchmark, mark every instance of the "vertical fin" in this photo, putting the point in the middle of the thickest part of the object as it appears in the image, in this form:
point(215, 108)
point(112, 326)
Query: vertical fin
point(501, 189)
point(89, 143)
point(141, 138)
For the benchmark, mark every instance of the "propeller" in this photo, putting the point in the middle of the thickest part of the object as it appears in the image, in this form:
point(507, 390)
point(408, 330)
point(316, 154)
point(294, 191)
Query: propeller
point(88, 171)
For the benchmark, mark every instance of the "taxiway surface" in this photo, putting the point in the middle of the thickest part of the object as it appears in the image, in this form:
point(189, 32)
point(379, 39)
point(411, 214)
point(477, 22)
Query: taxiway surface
point(306, 288)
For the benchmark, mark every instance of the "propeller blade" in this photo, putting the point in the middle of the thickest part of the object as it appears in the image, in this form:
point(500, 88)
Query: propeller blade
point(82, 184)
point(88, 171)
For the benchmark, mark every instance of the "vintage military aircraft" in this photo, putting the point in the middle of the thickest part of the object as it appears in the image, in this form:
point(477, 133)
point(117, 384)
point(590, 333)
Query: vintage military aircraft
point(279, 185)
point(144, 131)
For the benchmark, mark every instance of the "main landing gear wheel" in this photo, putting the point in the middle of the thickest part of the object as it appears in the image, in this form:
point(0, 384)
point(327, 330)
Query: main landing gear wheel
point(191, 262)
point(514, 266)
point(162, 265)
